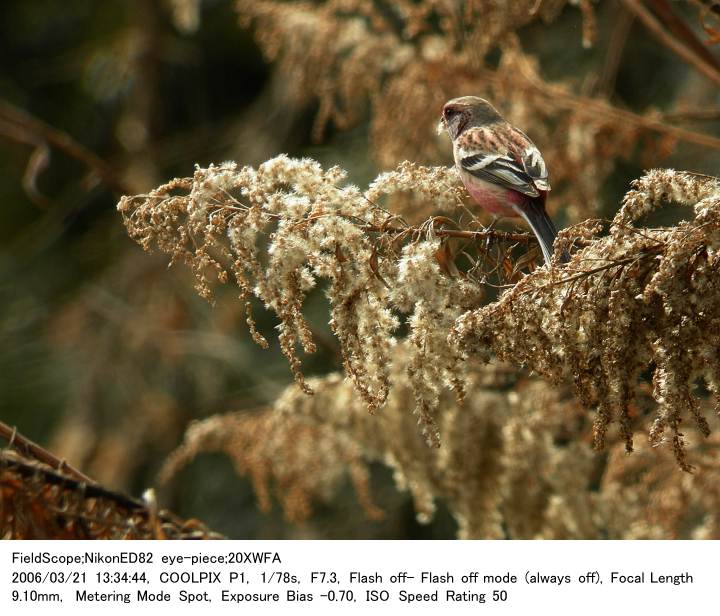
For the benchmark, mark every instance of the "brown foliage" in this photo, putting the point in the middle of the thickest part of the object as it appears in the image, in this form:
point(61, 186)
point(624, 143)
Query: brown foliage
point(516, 460)
point(635, 300)
point(40, 502)
point(419, 290)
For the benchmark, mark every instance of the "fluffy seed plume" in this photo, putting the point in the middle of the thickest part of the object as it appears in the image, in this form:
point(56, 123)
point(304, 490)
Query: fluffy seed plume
point(638, 300)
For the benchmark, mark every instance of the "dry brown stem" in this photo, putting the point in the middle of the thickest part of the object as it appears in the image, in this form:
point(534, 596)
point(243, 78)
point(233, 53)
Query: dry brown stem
point(687, 54)
point(39, 502)
point(25, 446)
point(20, 125)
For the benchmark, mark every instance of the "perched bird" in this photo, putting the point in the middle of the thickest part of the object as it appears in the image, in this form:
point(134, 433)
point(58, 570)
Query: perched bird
point(501, 168)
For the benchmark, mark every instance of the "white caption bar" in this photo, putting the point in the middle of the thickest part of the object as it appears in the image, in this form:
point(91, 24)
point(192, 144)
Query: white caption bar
point(354, 577)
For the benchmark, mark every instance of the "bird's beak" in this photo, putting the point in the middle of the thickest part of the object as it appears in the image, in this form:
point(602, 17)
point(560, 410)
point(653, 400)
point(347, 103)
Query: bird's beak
point(441, 127)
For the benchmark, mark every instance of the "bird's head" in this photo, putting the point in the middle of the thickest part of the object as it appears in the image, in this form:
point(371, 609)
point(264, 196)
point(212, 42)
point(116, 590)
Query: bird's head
point(464, 112)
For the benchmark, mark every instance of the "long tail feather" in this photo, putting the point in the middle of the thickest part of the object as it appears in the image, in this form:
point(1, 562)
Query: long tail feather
point(535, 215)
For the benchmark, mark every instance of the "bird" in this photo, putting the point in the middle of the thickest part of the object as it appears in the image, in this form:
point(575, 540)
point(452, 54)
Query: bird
point(502, 169)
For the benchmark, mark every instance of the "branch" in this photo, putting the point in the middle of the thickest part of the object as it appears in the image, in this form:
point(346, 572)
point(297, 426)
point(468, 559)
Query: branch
point(524, 238)
point(19, 125)
point(691, 115)
point(30, 449)
point(59, 478)
point(687, 54)
point(680, 29)
point(563, 99)
point(615, 50)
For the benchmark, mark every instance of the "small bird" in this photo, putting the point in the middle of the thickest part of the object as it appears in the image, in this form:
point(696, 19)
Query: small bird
point(501, 168)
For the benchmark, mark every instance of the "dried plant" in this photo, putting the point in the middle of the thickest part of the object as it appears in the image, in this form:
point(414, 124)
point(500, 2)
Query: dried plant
point(357, 56)
point(41, 502)
point(638, 299)
point(373, 264)
point(514, 461)
point(418, 290)
point(646, 498)
point(306, 445)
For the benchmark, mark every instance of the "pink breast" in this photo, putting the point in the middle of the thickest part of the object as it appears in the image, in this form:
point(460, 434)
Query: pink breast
point(495, 199)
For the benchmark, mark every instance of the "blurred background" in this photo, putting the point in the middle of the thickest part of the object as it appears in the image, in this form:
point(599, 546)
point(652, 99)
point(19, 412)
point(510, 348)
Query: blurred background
point(106, 354)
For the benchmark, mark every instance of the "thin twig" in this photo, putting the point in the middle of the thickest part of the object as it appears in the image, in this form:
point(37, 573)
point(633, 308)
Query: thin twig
point(35, 132)
point(616, 48)
point(28, 448)
point(563, 99)
point(601, 268)
point(681, 30)
point(524, 238)
point(658, 31)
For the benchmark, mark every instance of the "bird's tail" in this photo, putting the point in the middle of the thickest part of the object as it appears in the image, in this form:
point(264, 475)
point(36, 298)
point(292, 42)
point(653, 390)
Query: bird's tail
point(535, 215)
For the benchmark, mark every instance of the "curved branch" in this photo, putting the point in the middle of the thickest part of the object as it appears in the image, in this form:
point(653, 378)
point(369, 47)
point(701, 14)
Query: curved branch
point(19, 125)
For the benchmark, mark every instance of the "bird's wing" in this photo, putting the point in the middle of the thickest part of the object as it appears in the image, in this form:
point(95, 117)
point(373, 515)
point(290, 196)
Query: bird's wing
point(501, 170)
point(513, 162)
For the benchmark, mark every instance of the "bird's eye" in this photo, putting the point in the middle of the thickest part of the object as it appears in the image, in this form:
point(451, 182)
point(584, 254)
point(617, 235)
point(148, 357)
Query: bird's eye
point(450, 113)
